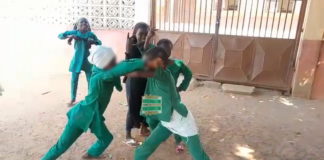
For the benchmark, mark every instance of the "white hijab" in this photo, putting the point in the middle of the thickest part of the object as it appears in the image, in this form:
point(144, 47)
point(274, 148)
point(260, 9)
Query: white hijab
point(101, 56)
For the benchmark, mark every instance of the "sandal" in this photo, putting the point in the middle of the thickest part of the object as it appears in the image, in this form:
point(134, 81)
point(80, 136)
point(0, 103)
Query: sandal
point(131, 142)
point(180, 148)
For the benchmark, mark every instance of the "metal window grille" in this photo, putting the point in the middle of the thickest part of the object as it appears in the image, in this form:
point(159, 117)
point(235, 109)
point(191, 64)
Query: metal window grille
point(255, 18)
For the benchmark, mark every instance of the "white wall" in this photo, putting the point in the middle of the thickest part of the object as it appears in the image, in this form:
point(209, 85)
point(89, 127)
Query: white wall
point(143, 11)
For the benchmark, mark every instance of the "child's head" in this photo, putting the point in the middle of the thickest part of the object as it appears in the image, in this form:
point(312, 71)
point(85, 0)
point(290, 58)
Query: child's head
point(103, 57)
point(83, 25)
point(155, 58)
point(166, 44)
point(140, 31)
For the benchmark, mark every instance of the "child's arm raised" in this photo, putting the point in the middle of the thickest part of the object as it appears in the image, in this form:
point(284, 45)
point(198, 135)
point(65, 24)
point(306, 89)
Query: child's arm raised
point(148, 39)
point(124, 68)
point(130, 43)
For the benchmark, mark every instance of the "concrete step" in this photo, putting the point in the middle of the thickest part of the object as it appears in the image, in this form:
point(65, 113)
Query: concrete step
point(241, 89)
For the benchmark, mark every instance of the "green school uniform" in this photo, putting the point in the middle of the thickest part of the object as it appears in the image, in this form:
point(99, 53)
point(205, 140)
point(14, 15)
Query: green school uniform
point(79, 61)
point(89, 112)
point(177, 68)
point(162, 84)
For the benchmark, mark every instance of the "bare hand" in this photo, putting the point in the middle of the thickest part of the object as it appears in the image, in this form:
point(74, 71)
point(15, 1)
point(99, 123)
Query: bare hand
point(130, 42)
point(151, 33)
point(91, 41)
point(69, 41)
point(74, 37)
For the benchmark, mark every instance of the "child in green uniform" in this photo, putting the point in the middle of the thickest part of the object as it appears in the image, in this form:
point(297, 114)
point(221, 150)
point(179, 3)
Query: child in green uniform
point(176, 67)
point(174, 118)
point(89, 112)
point(83, 38)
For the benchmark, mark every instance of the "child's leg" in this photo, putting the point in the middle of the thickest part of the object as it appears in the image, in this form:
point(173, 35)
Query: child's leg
point(69, 135)
point(158, 135)
point(195, 148)
point(177, 139)
point(152, 123)
point(74, 85)
point(104, 139)
point(179, 146)
point(129, 126)
point(88, 76)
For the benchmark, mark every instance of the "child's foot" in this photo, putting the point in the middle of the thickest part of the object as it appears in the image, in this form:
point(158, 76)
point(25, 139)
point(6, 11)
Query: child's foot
point(131, 142)
point(145, 131)
point(180, 148)
point(71, 103)
point(87, 156)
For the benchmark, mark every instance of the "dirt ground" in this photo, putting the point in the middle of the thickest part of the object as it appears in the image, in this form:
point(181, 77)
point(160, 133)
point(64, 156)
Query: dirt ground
point(263, 126)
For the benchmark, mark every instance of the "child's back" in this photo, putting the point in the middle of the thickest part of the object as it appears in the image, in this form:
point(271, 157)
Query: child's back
point(162, 84)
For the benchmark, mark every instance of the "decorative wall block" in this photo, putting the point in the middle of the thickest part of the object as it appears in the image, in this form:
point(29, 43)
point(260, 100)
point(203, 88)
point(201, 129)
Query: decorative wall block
point(97, 2)
point(112, 2)
point(80, 11)
point(128, 2)
point(97, 22)
point(102, 14)
point(97, 11)
point(126, 23)
point(128, 12)
point(80, 1)
point(112, 23)
point(112, 11)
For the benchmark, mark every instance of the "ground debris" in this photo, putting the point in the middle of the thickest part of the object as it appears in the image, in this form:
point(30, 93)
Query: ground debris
point(47, 92)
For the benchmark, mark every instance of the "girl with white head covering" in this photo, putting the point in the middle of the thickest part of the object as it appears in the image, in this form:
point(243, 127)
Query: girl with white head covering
point(101, 56)
point(88, 114)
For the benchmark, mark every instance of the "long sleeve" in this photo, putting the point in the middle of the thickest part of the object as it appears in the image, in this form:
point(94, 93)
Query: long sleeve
point(97, 41)
point(118, 85)
point(187, 74)
point(123, 68)
point(93, 93)
point(82, 114)
point(65, 35)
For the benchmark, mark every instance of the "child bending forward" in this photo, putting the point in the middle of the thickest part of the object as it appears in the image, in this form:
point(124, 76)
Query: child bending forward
point(89, 112)
point(175, 117)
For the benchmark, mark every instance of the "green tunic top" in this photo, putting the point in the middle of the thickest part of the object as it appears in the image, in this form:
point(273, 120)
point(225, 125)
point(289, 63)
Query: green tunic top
point(89, 112)
point(162, 84)
point(81, 46)
point(177, 68)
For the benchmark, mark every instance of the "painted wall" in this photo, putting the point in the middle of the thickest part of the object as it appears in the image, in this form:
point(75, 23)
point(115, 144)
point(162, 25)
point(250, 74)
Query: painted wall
point(318, 84)
point(309, 71)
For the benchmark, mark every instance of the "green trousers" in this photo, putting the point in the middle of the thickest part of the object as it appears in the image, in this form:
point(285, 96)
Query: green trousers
point(75, 81)
point(153, 123)
point(71, 134)
point(160, 134)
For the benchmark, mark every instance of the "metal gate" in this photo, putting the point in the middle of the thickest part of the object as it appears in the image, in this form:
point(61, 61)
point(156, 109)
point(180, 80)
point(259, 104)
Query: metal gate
point(251, 42)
